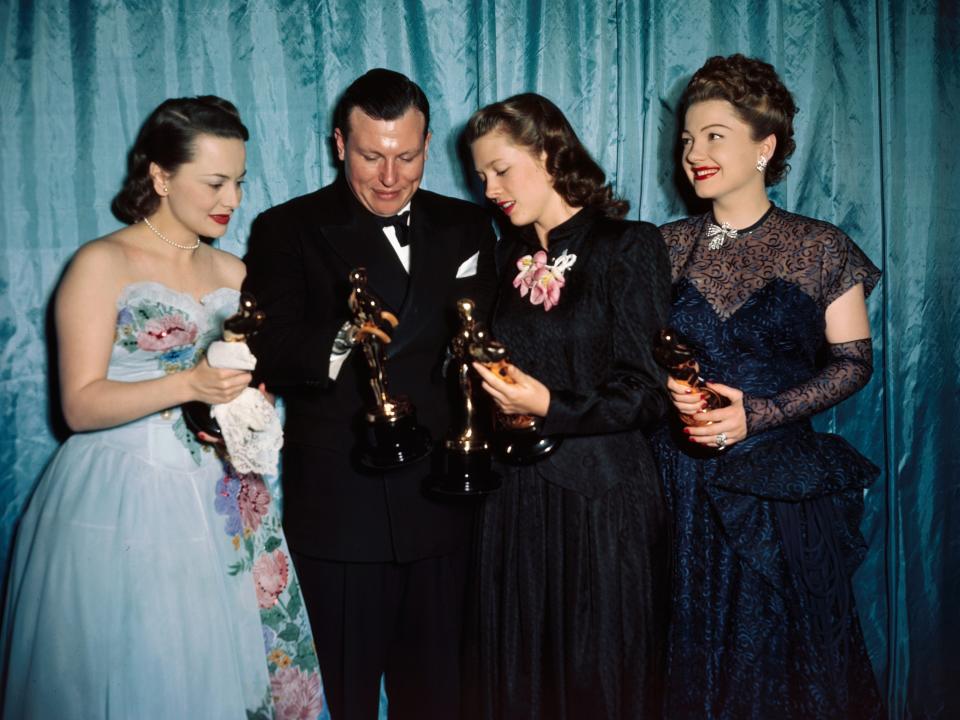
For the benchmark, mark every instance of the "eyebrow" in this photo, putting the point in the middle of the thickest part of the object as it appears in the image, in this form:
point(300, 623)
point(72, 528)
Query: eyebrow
point(377, 153)
point(221, 175)
point(492, 163)
point(705, 127)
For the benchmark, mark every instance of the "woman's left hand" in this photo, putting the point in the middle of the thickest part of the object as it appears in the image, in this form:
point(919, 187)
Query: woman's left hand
point(518, 394)
point(729, 422)
point(271, 398)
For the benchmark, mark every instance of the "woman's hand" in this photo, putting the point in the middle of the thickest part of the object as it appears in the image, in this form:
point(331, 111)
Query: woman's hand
point(685, 399)
point(271, 398)
point(215, 386)
point(730, 422)
point(210, 439)
point(518, 393)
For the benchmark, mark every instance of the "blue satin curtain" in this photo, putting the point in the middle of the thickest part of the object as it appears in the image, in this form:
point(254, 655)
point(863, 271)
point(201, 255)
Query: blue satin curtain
point(876, 82)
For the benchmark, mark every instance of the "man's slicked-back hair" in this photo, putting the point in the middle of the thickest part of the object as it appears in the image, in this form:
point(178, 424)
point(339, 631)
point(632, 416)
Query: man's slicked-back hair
point(383, 95)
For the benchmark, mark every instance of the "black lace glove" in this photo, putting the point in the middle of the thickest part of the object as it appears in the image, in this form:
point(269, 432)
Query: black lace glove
point(849, 369)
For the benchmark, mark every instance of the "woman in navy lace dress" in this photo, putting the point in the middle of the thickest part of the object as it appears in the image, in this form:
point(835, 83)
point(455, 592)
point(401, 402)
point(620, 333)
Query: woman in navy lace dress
point(766, 511)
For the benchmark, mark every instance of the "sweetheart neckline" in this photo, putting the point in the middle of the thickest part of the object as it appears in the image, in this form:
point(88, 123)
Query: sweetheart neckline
point(183, 293)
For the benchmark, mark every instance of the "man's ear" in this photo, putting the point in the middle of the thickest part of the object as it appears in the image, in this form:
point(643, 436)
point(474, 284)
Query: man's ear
point(341, 144)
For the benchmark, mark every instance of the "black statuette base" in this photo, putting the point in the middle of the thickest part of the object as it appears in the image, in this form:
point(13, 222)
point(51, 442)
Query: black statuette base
point(524, 448)
point(393, 442)
point(198, 419)
point(466, 473)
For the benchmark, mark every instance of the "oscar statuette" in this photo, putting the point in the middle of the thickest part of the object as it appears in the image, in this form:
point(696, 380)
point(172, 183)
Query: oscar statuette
point(518, 439)
point(236, 329)
point(466, 451)
point(392, 436)
point(675, 354)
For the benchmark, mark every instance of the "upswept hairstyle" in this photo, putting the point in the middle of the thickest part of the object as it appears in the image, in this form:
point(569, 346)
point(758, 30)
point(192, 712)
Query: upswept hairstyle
point(167, 138)
point(759, 97)
point(533, 122)
point(383, 95)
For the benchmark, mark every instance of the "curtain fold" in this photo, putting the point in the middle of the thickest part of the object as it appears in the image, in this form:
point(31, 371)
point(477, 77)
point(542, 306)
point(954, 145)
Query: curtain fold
point(879, 93)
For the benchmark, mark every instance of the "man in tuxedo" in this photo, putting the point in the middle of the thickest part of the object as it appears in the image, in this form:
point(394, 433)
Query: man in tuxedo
point(381, 561)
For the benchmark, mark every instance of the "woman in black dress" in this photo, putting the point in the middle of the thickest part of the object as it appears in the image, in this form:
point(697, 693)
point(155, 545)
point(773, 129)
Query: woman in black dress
point(766, 511)
point(572, 551)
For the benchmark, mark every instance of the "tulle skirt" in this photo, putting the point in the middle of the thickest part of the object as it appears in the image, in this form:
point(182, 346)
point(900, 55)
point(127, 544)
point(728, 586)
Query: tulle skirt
point(130, 594)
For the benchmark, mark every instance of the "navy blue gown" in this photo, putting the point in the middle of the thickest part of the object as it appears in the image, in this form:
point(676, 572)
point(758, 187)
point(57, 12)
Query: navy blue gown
point(766, 533)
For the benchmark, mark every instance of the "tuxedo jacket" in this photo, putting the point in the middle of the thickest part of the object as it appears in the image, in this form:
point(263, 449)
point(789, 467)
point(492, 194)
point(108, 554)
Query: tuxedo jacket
point(299, 257)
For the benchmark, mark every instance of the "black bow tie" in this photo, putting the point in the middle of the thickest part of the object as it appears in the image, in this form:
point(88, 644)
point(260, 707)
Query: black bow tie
point(401, 225)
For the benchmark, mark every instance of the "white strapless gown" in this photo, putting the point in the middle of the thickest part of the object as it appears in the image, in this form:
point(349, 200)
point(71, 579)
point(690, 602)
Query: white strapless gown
point(149, 580)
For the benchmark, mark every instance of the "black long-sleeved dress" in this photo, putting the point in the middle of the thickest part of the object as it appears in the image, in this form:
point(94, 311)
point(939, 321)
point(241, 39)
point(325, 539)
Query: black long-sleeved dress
point(573, 553)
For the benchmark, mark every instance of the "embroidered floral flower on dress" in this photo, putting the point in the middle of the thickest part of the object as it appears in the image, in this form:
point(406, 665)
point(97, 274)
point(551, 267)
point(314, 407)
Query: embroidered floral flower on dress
point(155, 327)
point(270, 577)
point(296, 694)
point(164, 333)
point(279, 658)
point(541, 280)
point(226, 503)
point(253, 500)
point(256, 537)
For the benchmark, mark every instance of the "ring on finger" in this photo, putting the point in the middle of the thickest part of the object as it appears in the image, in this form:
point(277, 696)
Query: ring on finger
point(721, 441)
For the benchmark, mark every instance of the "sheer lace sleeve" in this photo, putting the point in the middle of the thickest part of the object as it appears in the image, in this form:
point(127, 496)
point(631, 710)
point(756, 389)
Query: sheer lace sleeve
point(843, 265)
point(848, 369)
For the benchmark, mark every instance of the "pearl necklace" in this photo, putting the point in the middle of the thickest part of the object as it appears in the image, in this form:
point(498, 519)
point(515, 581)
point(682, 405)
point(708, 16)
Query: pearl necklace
point(169, 241)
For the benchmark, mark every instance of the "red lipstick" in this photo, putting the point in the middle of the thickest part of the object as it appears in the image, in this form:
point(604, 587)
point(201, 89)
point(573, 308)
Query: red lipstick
point(222, 219)
point(704, 172)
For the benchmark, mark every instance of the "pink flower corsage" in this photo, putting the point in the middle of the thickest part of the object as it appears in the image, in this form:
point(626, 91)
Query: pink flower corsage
point(541, 280)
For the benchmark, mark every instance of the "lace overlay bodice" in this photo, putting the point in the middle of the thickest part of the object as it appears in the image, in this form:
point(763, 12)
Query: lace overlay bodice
point(811, 255)
point(754, 310)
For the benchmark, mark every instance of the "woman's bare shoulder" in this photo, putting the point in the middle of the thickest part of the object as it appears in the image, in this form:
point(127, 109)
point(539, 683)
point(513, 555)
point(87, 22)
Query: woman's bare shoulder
point(229, 268)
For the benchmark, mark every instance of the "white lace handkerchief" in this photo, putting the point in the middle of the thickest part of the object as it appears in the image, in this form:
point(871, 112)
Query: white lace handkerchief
point(251, 429)
point(250, 424)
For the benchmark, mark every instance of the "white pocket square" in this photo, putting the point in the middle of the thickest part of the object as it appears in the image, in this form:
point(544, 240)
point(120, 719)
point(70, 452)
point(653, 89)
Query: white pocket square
point(468, 268)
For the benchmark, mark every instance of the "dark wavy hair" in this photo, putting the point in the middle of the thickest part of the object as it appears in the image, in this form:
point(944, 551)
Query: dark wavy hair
point(533, 122)
point(759, 97)
point(383, 95)
point(167, 138)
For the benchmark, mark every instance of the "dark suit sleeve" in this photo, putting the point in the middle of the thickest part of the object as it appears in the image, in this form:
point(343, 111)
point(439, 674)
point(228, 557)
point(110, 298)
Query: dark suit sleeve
point(632, 394)
point(486, 281)
point(293, 348)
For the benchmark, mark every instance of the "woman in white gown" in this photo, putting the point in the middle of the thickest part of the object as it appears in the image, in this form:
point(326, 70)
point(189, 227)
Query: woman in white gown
point(150, 579)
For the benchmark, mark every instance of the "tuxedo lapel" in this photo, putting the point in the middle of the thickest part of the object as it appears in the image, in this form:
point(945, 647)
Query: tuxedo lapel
point(353, 235)
point(433, 255)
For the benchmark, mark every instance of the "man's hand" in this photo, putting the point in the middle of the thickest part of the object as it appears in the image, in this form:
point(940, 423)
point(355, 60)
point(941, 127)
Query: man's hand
point(371, 329)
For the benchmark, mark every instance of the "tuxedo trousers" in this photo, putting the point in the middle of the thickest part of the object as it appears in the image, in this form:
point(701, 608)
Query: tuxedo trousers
point(400, 620)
